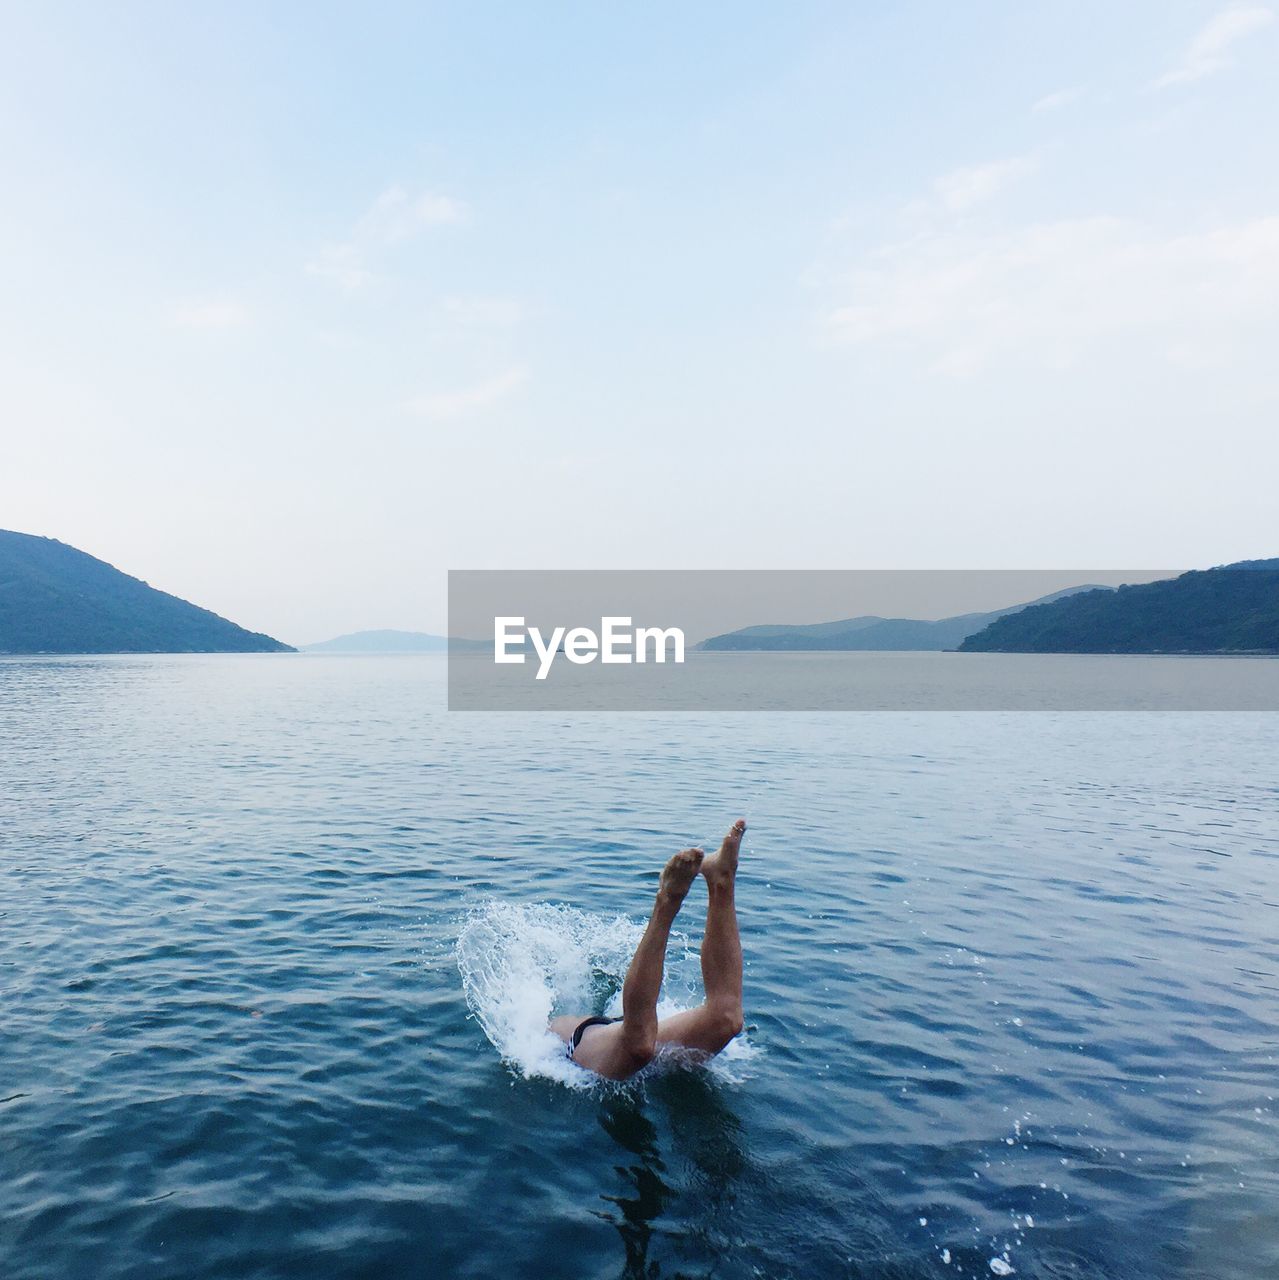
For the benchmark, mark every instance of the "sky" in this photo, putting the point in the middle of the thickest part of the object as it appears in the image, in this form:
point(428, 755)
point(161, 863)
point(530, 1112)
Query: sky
point(302, 305)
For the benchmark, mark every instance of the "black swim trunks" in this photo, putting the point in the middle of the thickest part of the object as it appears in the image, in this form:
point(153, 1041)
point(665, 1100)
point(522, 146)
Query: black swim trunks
point(581, 1026)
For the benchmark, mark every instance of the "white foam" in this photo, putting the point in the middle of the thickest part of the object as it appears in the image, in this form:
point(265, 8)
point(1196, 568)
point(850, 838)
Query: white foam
point(525, 963)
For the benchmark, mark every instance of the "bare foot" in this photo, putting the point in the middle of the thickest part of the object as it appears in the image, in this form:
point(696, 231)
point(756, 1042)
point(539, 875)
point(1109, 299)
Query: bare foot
point(678, 875)
point(721, 868)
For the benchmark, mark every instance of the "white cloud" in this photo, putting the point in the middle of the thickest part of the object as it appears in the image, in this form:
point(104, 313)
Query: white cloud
point(480, 312)
point(1209, 51)
point(444, 406)
point(965, 188)
point(210, 314)
point(1047, 295)
point(1062, 98)
point(341, 264)
point(395, 217)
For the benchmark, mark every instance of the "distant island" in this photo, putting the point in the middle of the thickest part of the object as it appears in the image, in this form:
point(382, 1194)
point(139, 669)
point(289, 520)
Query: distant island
point(380, 642)
point(871, 633)
point(55, 599)
point(395, 642)
point(1230, 609)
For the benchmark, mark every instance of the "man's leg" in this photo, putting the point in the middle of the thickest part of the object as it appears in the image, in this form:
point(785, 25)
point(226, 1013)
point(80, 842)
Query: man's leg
point(712, 1025)
point(620, 1050)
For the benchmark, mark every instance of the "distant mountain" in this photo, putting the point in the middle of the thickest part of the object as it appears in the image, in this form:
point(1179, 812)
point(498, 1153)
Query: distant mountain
point(869, 632)
point(785, 634)
point(55, 599)
point(381, 642)
point(1230, 609)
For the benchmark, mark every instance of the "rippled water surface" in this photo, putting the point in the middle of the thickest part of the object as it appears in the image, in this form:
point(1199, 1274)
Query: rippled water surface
point(1012, 985)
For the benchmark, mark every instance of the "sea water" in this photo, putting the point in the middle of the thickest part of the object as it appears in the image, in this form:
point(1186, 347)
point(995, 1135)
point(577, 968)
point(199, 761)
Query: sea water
point(279, 937)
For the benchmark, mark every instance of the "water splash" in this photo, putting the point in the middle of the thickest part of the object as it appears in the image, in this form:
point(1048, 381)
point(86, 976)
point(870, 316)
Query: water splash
point(525, 963)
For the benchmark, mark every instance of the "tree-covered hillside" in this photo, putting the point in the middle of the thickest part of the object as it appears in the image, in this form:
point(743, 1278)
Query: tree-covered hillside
point(55, 599)
point(1232, 609)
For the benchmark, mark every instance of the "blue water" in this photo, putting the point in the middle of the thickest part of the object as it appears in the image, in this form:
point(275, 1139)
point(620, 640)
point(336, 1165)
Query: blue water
point(1012, 985)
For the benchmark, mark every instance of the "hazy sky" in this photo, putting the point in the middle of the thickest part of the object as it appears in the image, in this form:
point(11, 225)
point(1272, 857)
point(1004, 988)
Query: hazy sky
point(302, 305)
